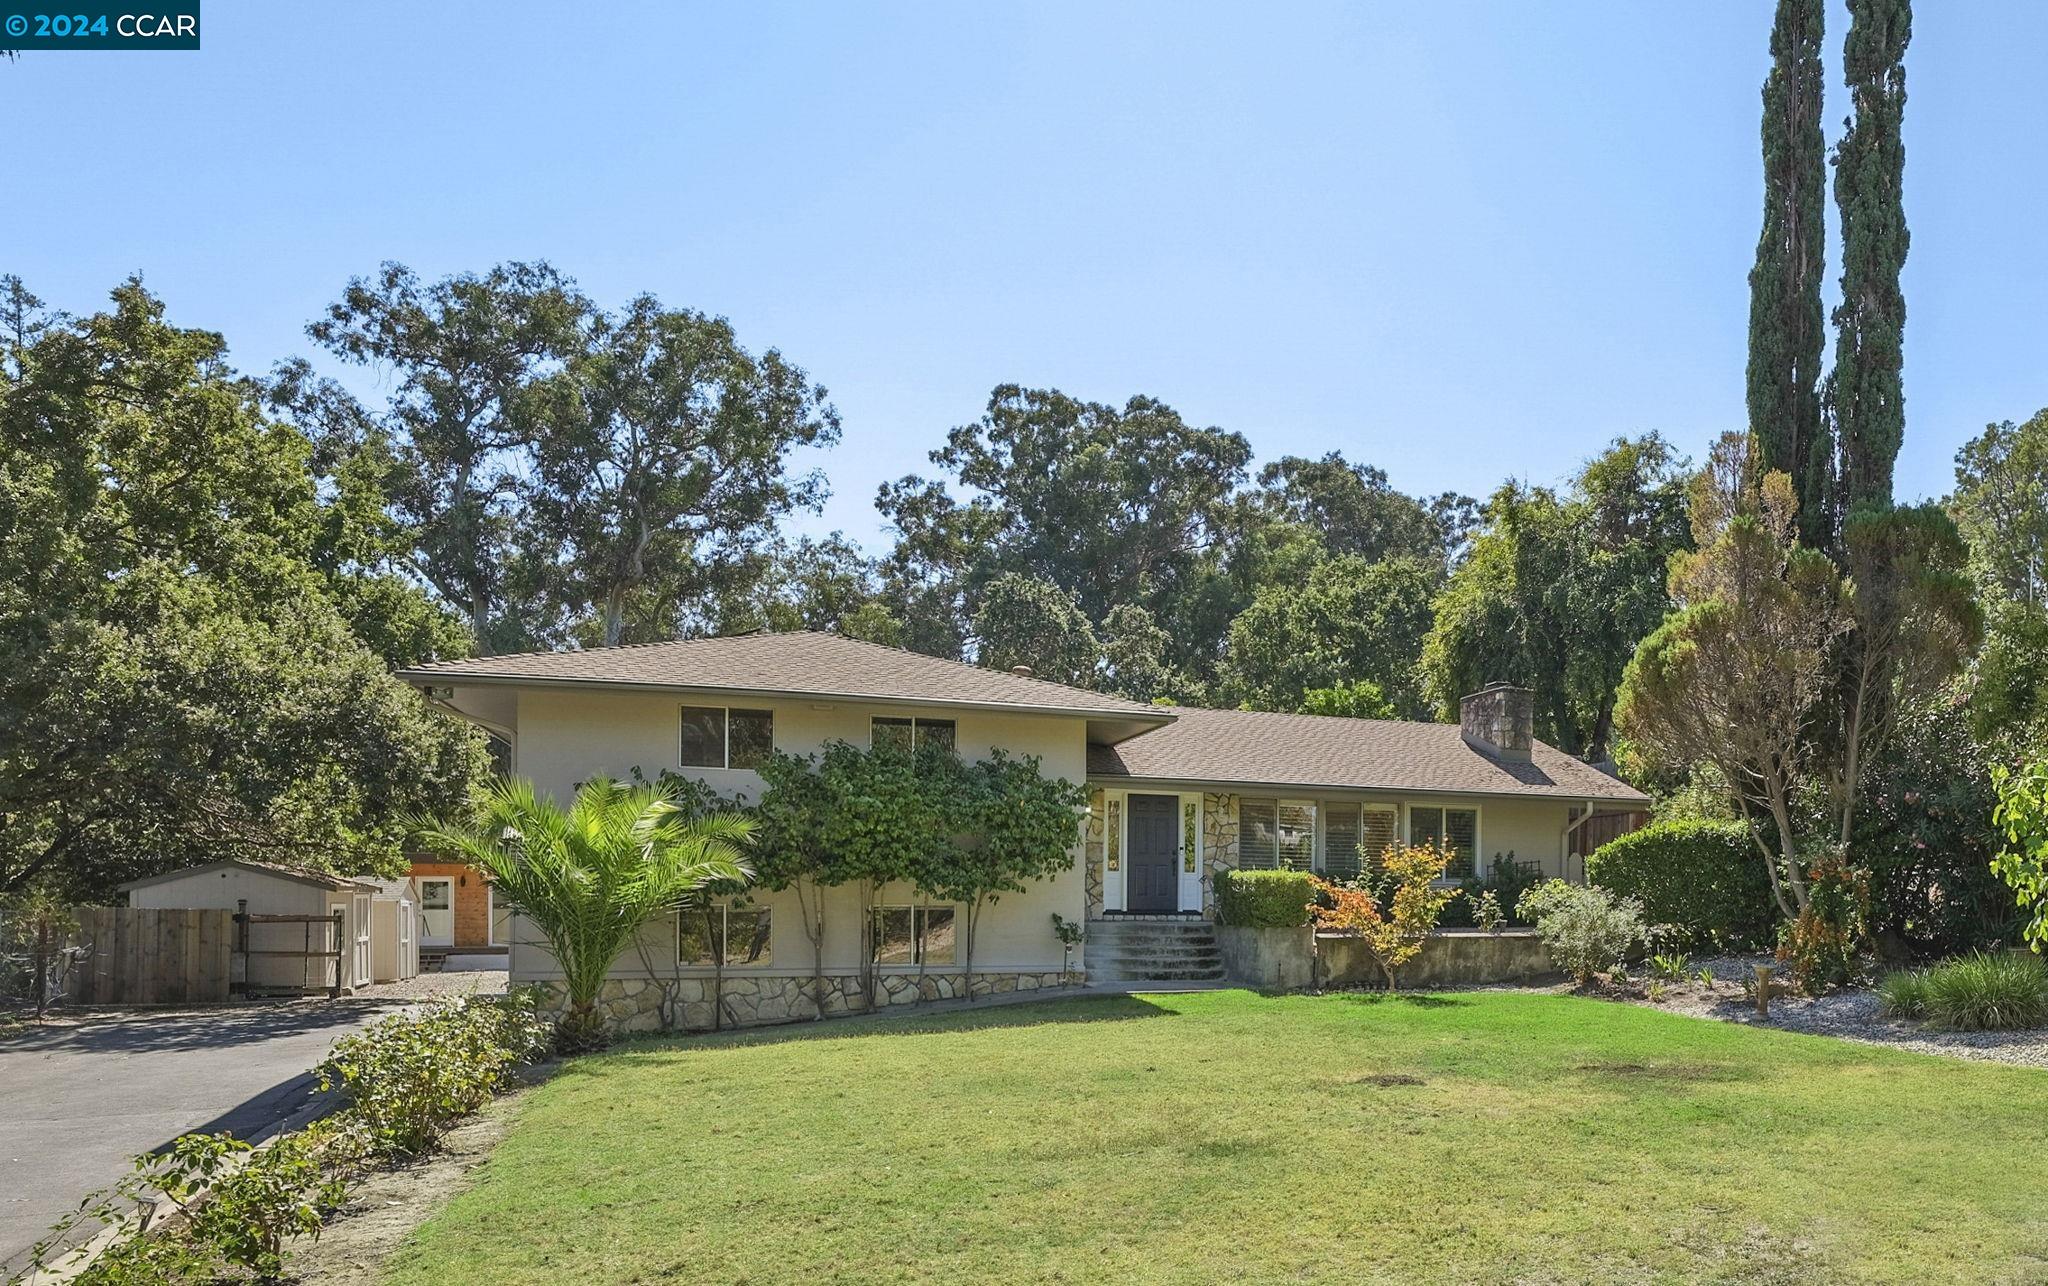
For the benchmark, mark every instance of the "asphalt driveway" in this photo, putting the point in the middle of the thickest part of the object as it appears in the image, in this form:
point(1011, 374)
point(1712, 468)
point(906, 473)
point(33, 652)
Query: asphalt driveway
point(79, 1098)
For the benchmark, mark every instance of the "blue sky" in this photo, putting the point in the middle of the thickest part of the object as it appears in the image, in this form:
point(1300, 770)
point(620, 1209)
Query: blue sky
point(1459, 241)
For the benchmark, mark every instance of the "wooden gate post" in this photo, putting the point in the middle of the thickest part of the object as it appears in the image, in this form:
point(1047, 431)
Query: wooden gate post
point(341, 946)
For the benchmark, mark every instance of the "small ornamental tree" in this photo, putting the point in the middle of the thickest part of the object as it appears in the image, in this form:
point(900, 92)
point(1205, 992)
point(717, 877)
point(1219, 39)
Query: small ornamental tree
point(1414, 899)
point(1012, 826)
point(790, 851)
point(884, 814)
point(2022, 813)
point(591, 876)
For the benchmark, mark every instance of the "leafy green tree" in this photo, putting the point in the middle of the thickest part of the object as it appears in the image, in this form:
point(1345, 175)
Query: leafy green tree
point(1012, 826)
point(1031, 622)
point(592, 876)
point(178, 678)
point(661, 464)
point(1735, 676)
point(1352, 620)
point(1558, 590)
point(1354, 510)
point(2022, 862)
point(1786, 334)
point(1914, 621)
point(1361, 699)
point(2001, 507)
point(1134, 659)
point(1111, 505)
point(1866, 390)
point(466, 356)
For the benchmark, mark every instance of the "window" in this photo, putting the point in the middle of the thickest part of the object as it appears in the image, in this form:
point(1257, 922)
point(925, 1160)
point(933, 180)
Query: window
point(909, 935)
point(716, 737)
point(909, 734)
point(1275, 833)
point(1297, 834)
point(1456, 829)
point(1379, 832)
point(1258, 834)
point(1341, 841)
point(704, 934)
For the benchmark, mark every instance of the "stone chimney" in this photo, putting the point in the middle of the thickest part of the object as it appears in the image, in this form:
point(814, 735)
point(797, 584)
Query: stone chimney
point(1499, 720)
point(1023, 671)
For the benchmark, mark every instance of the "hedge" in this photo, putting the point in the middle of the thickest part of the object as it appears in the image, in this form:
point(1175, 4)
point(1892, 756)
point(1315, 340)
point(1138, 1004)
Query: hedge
point(1264, 899)
point(1705, 880)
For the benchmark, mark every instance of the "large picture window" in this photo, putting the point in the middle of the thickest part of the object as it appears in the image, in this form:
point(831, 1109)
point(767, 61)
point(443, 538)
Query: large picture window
point(1456, 829)
point(909, 734)
point(720, 737)
point(909, 935)
point(707, 936)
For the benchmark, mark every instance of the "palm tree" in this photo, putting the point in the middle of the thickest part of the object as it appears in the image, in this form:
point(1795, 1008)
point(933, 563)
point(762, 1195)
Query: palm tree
point(591, 876)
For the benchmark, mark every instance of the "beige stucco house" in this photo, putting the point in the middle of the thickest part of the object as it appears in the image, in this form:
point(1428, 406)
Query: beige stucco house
point(1176, 795)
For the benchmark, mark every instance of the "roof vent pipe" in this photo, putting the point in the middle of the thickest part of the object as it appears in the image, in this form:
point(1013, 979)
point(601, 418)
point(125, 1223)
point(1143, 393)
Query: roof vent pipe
point(1023, 672)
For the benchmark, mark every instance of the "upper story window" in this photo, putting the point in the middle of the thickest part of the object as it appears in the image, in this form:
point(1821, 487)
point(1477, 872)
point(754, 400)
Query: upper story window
point(909, 734)
point(722, 737)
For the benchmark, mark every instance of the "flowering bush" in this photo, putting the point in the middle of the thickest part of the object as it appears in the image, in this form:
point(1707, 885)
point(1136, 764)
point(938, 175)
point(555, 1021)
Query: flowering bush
point(1408, 883)
point(1820, 946)
point(1587, 929)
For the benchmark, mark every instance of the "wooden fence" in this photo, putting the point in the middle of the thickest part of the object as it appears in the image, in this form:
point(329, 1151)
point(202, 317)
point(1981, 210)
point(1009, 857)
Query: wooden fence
point(151, 956)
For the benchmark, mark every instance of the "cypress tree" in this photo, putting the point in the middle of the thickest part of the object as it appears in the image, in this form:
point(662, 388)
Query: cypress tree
point(1787, 332)
point(1866, 394)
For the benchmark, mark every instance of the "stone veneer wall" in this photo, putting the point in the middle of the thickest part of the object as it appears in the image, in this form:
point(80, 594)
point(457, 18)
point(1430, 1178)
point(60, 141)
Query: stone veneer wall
point(1219, 844)
point(651, 1005)
point(1094, 854)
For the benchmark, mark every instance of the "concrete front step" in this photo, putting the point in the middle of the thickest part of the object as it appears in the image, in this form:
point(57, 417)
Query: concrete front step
point(1154, 975)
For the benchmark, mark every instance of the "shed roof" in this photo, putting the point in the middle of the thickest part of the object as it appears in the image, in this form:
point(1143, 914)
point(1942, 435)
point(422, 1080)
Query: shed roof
point(300, 874)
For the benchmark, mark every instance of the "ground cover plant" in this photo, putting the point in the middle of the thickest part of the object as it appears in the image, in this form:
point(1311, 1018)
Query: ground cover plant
point(1979, 992)
point(1228, 1136)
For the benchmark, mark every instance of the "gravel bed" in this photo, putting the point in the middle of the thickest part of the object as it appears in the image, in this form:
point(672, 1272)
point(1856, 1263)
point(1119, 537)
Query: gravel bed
point(1854, 1014)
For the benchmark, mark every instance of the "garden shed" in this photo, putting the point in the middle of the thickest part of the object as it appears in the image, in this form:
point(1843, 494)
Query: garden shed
point(395, 930)
point(288, 938)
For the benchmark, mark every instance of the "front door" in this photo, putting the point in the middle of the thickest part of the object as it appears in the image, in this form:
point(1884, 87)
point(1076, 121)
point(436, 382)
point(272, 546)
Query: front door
point(437, 911)
point(1152, 879)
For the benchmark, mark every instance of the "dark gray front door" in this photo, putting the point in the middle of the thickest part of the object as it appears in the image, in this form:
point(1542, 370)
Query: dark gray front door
point(1151, 880)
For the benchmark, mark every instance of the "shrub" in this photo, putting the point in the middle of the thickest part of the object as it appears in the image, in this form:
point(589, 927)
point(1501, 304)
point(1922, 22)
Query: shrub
point(1587, 929)
point(1506, 879)
point(1264, 899)
point(1704, 879)
point(1988, 993)
point(1407, 881)
point(408, 1077)
point(405, 1079)
point(1904, 994)
point(1820, 946)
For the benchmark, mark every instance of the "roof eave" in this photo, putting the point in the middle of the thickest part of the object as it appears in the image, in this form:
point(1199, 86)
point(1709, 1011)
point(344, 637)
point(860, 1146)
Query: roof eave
point(1142, 718)
point(1634, 797)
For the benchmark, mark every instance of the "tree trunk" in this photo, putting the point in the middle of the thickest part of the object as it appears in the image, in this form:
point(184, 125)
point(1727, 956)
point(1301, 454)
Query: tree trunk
point(973, 917)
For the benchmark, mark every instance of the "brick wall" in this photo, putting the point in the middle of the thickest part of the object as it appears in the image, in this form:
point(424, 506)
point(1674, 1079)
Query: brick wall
point(472, 900)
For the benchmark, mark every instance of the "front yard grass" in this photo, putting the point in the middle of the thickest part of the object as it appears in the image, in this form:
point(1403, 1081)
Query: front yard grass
point(1226, 1135)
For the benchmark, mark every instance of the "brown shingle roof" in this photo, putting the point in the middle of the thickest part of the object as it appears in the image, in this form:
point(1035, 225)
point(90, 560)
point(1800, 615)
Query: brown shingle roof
point(800, 663)
point(1257, 748)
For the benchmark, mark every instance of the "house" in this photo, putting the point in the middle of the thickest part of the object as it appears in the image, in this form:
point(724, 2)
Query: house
point(298, 950)
point(458, 911)
point(1176, 795)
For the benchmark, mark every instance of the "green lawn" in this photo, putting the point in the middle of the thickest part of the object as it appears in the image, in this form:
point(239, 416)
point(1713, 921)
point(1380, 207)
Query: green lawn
point(1225, 1135)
